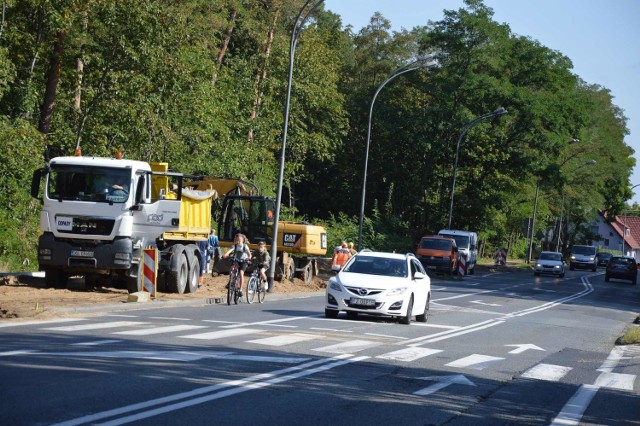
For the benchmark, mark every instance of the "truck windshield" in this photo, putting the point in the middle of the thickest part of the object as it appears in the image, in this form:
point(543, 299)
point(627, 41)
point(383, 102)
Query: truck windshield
point(462, 241)
point(434, 244)
point(583, 250)
point(83, 183)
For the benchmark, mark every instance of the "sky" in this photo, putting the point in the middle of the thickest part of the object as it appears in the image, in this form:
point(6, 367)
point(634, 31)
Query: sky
point(601, 37)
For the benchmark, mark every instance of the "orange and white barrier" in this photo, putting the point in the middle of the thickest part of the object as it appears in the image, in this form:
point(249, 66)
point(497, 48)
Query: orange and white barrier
point(150, 271)
point(500, 257)
point(462, 265)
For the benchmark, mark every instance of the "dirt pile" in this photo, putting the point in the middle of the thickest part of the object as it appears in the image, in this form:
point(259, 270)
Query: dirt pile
point(28, 298)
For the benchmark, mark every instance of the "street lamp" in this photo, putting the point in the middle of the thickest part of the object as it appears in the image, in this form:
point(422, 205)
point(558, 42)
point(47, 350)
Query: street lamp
point(588, 163)
point(301, 19)
point(424, 62)
point(497, 113)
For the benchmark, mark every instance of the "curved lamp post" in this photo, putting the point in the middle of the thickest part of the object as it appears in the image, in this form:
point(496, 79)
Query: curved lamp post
point(624, 222)
point(301, 19)
point(424, 62)
point(497, 113)
point(588, 163)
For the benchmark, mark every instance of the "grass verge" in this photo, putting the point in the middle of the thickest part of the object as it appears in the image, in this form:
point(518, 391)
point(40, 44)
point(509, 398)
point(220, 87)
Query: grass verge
point(631, 336)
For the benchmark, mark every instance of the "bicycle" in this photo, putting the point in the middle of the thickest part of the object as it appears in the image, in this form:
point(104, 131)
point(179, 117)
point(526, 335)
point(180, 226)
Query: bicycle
point(233, 291)
point(256, 286)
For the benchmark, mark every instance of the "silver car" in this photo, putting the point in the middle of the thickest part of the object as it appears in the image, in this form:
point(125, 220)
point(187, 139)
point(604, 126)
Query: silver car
point(549, 262)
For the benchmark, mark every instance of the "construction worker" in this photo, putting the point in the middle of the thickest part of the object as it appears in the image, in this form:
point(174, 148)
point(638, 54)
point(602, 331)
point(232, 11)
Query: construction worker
point(340, 255)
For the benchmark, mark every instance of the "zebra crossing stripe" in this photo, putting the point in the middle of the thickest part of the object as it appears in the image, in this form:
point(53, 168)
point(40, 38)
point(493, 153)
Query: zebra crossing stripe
point(348, 347)
point(222, 334)
point(475, 361)
point(96, 326)
point(548, 372)
point(284, 340)
point(158, 330)
point(409, 354)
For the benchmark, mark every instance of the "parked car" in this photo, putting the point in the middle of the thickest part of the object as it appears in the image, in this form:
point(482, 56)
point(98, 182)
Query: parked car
point(603, 258)
point(379, 283)
point(467, 242)
point(438, 253)
point(622, 267)
point(549, 262)
point(583, 257)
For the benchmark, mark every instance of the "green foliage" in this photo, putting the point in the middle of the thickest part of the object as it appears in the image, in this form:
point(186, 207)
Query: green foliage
point(202, 85)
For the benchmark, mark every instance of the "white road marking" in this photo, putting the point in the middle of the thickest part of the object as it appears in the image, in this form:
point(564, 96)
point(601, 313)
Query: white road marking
point(158, 330)
point(443, 382)
point(524, 347)
point(572, 412)
point(448, 327)
point(96, 326)
point(283, 340)
point(348, 347)
point(270, 322)
point(616, 381)
point(475, 362)
point(409, 354)
point(547, 372)
point(41, 322)
point(480, 302)
point(170, 318)
point(210, 393)
point(96, 343)
point(222, 334)
point(18, 352)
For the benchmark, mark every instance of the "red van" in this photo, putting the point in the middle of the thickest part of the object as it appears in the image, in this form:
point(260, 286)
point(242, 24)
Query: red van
point(438, 254)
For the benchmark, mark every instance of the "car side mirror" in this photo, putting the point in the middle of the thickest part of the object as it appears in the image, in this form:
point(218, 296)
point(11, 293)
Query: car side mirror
point(335, 268)
point(418, 276)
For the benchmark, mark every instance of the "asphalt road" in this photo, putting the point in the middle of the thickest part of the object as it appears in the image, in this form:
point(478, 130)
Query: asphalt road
point(500, 348)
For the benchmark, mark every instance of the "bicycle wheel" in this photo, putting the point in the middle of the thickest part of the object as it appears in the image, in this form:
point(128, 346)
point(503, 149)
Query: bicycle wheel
point(231, 288)
point(238, 289)
point(262, 292)
point(252, 289)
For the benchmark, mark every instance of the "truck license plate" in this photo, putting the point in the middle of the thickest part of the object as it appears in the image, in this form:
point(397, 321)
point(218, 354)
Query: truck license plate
point(363, 302)
point(81, 253)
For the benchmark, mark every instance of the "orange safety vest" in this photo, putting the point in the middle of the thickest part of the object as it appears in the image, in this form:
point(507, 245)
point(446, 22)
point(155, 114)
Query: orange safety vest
point(341, 256)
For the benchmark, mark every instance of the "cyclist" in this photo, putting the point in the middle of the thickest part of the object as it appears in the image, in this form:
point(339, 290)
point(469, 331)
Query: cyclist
point(241, 256)
point(262, 259)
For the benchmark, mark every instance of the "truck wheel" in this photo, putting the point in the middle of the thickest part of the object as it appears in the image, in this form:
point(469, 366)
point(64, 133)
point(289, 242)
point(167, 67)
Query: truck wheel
point(132, 284)
point(290, 269)
point(306, 274)
point(177, 280)
point(194, 274)
point(55, 278)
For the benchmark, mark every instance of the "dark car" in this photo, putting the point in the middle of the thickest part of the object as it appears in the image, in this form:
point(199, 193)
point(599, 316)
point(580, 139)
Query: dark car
point(622, 267)
point(603, 258)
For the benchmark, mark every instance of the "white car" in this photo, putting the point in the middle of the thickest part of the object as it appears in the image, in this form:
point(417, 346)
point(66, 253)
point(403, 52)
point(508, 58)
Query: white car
point(378, 283)
point(549, 262)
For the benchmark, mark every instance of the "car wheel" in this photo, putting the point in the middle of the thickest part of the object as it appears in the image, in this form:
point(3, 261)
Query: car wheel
point(594, 269)
point(633, 282)
point(571, 267)
point(537, 274)
point(423, 317)
point(562, 275)
point(606, 278)
point(331, 313)
point(407, 318)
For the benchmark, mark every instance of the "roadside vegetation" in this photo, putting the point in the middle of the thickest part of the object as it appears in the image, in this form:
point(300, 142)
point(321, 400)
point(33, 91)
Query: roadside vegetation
point(202, 84)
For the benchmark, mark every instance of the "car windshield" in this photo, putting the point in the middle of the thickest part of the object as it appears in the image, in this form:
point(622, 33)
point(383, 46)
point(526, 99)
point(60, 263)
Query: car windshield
point(583, 250)
point(604, 255)
point(622, 261)
point(88, 183)
point(550, 256)
point(462, 241)
point(435, 244)
point(371, 265)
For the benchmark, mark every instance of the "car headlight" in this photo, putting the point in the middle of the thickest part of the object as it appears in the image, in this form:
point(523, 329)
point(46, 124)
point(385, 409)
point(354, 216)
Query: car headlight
point(334, 286)
point(397, 291)
point(557, 266)
point(592, 259)
point(573, 257)
point(538, 265)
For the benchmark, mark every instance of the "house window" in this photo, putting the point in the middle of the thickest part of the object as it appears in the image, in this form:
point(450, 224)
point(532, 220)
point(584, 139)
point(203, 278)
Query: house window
point(610, 234)
point(606, 242)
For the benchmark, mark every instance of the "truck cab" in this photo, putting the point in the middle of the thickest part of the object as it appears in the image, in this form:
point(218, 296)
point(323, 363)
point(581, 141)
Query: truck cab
point(467, 242)
point(438, 253)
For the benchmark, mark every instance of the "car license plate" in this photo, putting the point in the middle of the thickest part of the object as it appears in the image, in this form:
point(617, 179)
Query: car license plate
point(81, 253)
point(363, 302)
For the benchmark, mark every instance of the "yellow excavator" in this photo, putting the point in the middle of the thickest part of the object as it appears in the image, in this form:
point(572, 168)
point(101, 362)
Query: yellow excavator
point(239, 208)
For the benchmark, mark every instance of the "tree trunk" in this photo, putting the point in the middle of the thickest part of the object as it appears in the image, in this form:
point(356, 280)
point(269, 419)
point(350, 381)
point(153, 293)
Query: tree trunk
point(225, 45)
point(262, 73)
point(53, 75)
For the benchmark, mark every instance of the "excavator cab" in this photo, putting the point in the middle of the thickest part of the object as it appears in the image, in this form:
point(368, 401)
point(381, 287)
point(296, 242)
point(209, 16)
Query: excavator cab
point(251, 215)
